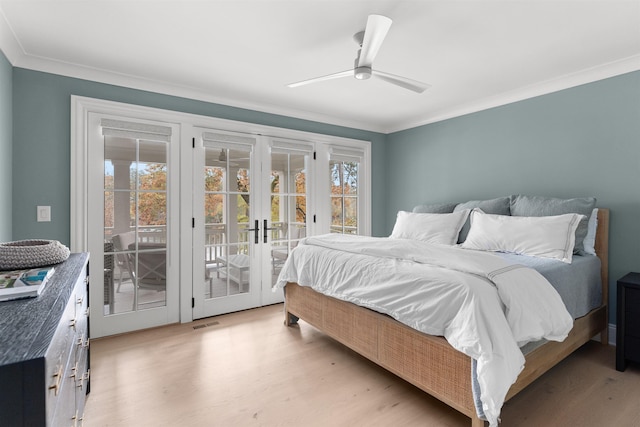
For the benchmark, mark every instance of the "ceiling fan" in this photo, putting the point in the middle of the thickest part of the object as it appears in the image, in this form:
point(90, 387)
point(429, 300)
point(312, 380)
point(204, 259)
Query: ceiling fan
point(370, 40)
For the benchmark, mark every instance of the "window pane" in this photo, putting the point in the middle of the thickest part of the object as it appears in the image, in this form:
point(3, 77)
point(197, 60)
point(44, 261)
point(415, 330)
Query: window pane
point(239, 165)
point(335, 177)
point(275, 209)
point(351, 213)
point(214, 209)
point(120, 154)
point(279, 173)
point(301, 209)
point(299, 173)
point(344, 196)
point(108, 175)
point(152, 208)
point(350, 171)
point(243, 208)
point(108, 209)
point(152, 167)
point(213, 178)
point(336, 211)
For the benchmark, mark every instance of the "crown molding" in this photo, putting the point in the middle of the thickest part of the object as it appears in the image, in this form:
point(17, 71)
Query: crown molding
point(8, 41)
point(14, 52)
point(589, 75)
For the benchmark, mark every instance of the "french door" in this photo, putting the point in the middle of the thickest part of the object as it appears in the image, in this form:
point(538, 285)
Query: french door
point(251, 195)
point(184, 221)
point(133, 208)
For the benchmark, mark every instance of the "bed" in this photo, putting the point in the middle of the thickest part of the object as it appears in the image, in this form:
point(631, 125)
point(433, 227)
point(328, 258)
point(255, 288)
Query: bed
point(428, 361)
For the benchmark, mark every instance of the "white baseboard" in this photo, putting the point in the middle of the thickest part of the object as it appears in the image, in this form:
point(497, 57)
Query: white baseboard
point(612, 334)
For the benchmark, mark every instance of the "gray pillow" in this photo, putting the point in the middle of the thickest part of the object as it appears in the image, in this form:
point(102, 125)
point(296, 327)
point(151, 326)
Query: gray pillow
point(435, 208)
point(498, 206)
point(547, 206)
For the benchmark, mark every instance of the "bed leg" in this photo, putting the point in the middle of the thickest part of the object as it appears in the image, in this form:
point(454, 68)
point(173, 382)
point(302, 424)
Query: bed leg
point(290, 319)
point(604, 336)
point(477, 422)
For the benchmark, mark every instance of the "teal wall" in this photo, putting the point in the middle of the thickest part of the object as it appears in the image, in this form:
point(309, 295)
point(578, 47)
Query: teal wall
point(583, 141)
point(41, 135)
point(6, 137)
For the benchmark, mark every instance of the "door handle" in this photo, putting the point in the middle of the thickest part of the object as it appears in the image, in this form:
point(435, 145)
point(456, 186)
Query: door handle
point(256, 239)
point(266, 230)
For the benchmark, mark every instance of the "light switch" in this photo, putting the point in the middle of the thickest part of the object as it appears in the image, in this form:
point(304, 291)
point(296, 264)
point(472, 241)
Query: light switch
point(44, 213)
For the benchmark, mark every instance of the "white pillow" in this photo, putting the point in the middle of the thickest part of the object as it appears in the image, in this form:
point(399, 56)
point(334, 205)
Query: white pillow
point(432, 228)
point(543, 236)
point(590, 239)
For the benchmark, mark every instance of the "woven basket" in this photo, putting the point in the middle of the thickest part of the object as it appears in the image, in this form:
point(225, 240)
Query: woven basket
point(31, 253)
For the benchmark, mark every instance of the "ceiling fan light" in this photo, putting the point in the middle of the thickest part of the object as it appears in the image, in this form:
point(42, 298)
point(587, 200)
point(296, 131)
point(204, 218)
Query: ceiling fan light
point(362, 73)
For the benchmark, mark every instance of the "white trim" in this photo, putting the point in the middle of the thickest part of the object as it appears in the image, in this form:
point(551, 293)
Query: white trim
point(18, 58)
point(9, 44)
point(555, 84)
point(612, 334)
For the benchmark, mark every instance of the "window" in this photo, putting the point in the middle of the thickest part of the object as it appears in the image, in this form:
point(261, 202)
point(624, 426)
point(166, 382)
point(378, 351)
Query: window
point(344, 174)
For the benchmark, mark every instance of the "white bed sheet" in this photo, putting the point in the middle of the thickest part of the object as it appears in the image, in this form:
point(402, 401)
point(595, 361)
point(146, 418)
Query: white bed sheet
point(483, 305)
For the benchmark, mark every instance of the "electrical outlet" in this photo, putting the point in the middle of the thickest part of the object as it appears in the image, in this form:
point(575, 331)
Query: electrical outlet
point(44, 213)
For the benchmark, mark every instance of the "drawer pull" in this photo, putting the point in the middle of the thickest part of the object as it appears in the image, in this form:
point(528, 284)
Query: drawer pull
point(80, 300)
point(72, 324)
point(57, 377)
point(74, 370)
point(86, 312)
point(75, 418)
point(82, 343)
point(83, 378)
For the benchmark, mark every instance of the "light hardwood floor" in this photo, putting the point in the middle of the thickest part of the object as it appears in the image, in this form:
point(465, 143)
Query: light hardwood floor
point(248, 369)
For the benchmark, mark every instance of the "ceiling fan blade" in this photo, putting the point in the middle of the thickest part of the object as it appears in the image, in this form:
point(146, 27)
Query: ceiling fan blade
point(404, 82)
point(341, 74)
point(374, 34)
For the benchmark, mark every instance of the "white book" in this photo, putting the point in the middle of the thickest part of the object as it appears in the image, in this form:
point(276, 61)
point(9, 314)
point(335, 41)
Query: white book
point(28, 283)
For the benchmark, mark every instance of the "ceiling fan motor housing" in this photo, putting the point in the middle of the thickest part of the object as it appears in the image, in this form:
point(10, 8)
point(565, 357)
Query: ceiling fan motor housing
point(362, 73)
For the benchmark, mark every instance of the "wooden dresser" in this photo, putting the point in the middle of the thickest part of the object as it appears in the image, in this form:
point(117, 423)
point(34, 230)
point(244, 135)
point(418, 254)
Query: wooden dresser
point(44, 351)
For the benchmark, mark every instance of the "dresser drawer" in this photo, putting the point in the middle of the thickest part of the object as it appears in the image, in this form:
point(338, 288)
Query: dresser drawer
point(632, 349)
point(64, 411)
point(81, 318)
point(632, 298)
point(57, 360)
point(632, 323)
point(632, 311)
point(82, 380)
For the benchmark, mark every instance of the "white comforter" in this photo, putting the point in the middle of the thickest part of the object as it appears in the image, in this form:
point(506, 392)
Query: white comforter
point(484, 306)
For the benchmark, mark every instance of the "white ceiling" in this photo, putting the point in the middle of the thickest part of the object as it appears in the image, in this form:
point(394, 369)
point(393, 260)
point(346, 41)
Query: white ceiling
point(475, 54)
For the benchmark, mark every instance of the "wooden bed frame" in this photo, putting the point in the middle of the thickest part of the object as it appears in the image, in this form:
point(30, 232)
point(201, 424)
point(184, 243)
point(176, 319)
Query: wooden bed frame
point(427, 361)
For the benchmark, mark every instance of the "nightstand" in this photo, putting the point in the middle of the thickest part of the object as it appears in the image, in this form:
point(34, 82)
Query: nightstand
point(628, 321)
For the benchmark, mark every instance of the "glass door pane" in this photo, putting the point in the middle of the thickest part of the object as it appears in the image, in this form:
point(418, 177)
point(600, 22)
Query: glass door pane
point(288, 210)
point(135, 224)
point(227, 206)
